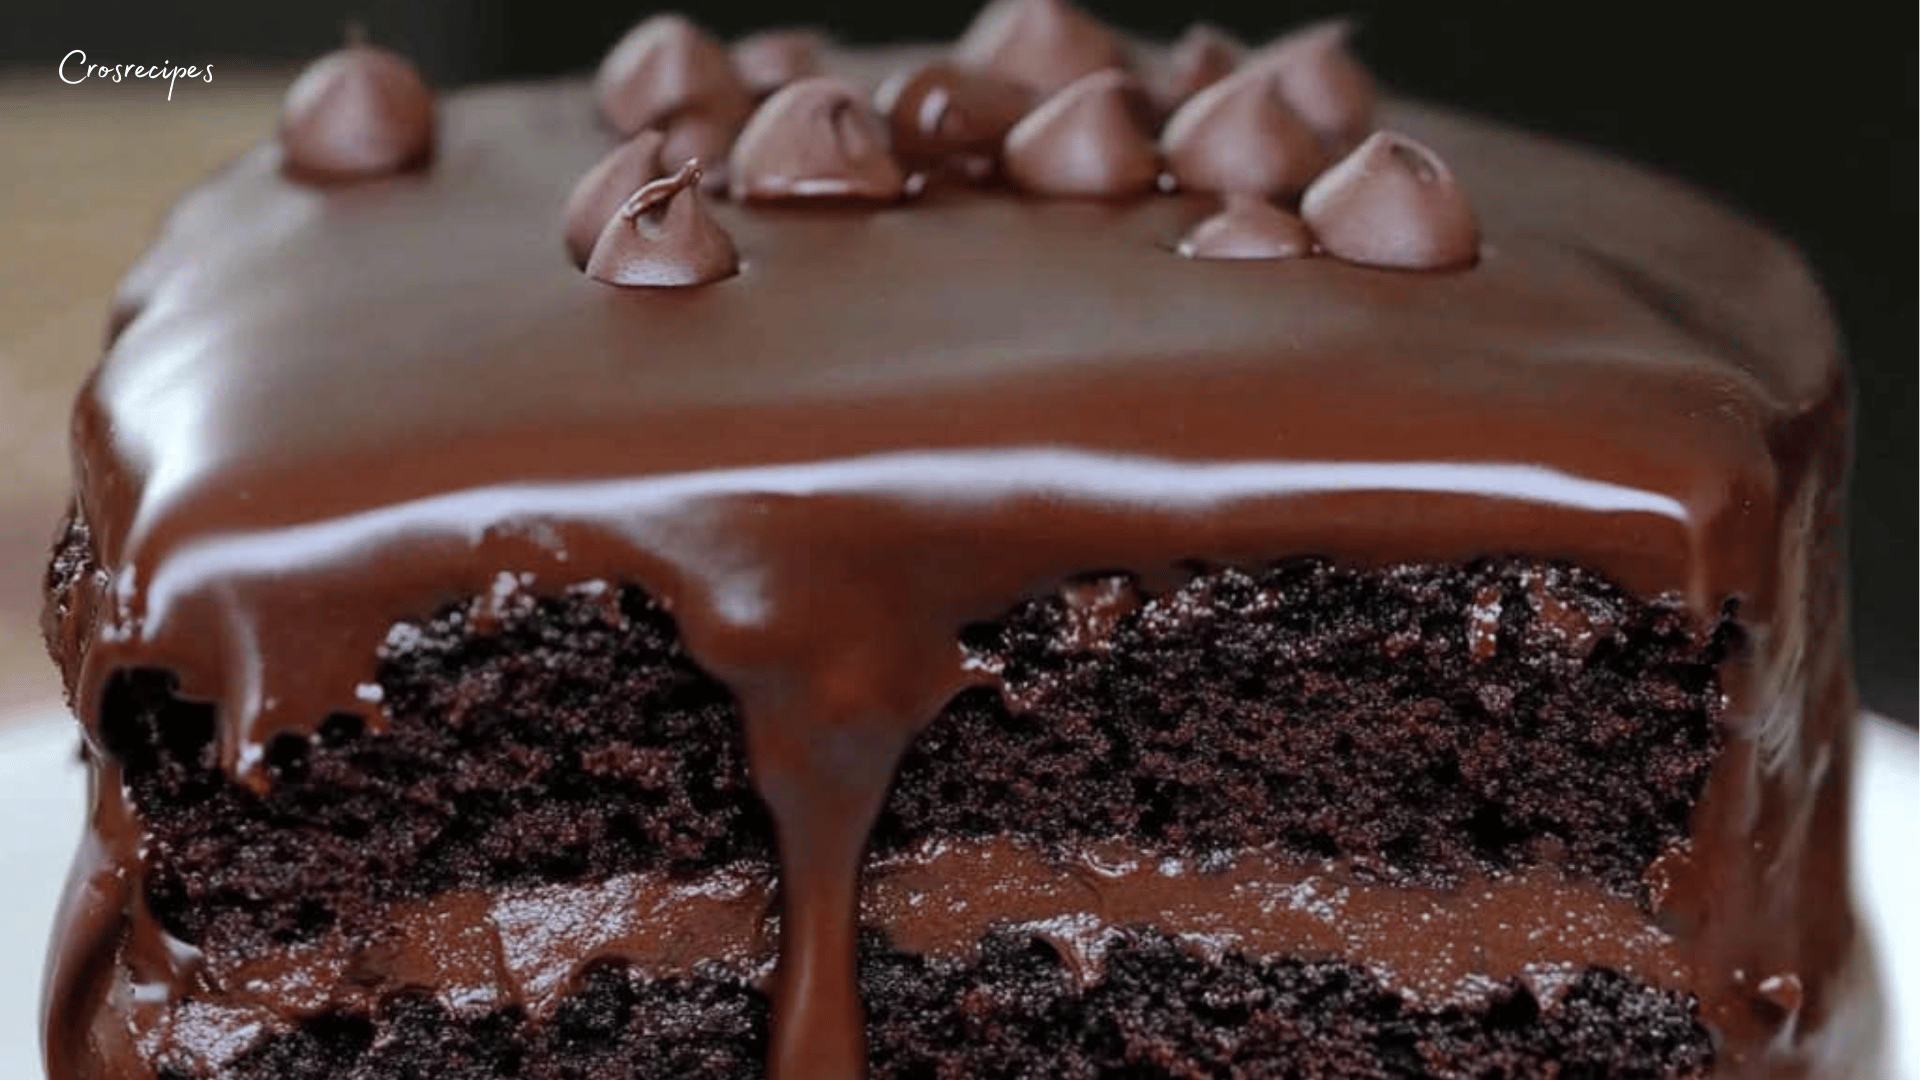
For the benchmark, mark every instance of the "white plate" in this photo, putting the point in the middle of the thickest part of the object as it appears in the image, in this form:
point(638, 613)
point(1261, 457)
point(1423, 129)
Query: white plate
point(42, 791)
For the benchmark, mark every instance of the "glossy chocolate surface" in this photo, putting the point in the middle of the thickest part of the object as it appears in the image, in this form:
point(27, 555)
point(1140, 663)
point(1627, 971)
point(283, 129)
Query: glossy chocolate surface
point(344, 407)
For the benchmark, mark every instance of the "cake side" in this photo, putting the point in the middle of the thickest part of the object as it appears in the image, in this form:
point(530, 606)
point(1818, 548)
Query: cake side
point(344, 921)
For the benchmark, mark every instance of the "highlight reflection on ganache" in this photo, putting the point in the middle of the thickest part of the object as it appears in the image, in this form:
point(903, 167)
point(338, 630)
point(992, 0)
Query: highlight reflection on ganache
point(980, 477)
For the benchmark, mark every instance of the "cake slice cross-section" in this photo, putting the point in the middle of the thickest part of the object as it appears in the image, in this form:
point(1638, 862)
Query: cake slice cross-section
point(961, 626)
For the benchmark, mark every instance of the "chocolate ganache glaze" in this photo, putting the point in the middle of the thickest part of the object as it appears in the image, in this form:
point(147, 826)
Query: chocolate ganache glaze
point(343, 406)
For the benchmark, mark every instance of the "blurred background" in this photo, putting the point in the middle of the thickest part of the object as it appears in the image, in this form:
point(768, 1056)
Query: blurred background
point(1803, 115)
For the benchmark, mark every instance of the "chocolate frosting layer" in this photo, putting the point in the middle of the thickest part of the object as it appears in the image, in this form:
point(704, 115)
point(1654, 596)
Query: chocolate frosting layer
point(359, 112)
point(478, 951)
point(899, 419)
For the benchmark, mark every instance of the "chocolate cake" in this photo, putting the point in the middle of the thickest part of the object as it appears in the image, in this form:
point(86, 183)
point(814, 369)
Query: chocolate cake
point(1049, 556)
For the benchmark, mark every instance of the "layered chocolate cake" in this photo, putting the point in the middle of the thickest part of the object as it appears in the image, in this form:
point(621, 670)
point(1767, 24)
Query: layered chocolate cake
point(1049, 556)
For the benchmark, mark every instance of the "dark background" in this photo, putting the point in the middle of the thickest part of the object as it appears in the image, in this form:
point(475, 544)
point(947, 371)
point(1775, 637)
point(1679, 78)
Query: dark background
point(1803, 114)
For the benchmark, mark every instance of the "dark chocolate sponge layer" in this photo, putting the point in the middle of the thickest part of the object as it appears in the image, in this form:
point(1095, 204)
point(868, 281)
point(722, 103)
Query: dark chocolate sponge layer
point(568, 739)
point(1158, 1010)
point(1161, 1010)
point(1421, 720)
point(697, 1028)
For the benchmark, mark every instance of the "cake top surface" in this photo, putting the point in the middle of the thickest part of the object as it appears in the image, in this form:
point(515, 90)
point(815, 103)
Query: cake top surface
point(310, 375)
point(302, 352)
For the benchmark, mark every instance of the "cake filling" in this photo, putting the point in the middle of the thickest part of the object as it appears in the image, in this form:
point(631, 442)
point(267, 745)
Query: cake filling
point(526, 946)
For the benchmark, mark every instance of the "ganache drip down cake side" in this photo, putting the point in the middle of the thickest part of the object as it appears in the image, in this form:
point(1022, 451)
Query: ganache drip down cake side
point(1043, 556)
